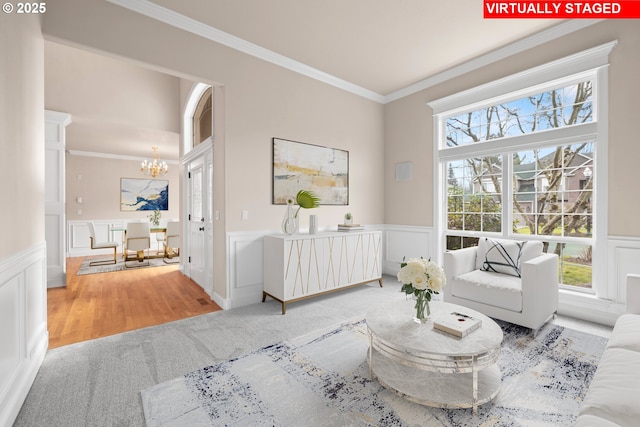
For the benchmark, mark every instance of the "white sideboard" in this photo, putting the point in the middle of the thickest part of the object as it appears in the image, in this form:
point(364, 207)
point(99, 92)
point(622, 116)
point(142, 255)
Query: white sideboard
point(304, 265)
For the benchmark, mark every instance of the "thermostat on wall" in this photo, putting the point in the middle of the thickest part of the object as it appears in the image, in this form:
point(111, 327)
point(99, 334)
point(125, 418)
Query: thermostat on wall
point(403, 171)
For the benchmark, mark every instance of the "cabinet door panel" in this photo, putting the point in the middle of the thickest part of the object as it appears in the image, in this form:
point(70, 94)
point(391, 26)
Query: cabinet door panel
point(372, 256)
point(337, 267)
point(356, 253)
point(352, 258)
point(303, 267)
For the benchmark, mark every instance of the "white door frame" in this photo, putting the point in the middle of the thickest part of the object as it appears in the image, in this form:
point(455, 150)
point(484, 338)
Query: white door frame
point(202, 153)
point(55, 198)
point(190, 154)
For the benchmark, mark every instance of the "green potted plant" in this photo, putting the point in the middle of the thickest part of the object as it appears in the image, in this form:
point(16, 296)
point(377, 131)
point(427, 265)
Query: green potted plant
point(348, 219)
point(154, 218)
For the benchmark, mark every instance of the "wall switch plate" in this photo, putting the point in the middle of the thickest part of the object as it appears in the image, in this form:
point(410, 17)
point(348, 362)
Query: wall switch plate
point(217, 215)
point(245, 215)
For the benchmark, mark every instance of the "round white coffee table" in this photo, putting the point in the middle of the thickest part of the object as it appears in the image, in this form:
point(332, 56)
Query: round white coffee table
point(431, 367)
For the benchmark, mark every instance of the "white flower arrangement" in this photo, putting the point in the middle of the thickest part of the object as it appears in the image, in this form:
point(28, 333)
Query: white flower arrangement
point(421, 274)
point(421, 278)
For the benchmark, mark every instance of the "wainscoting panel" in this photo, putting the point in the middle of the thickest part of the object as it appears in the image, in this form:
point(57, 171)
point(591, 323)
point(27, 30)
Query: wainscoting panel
point(23, 326)
point(35, 305)
point(10, 323)
point(624, 255)
point(245, 259)
point(406, 241)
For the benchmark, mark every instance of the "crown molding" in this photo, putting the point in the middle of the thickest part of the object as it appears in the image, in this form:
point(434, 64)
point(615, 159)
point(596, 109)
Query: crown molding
point(57, 116)
point(532, 41)
point(177, 20)
point(115, 156)
point(162, 14)
point(571, 65)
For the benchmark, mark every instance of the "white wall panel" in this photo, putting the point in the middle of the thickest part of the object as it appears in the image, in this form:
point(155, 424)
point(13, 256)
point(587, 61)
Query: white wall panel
point(409, 242)
point(624, 259)
point(10, 326)
point(247, 272)
point(244, 268)
point(23, 326)
point(35, 303)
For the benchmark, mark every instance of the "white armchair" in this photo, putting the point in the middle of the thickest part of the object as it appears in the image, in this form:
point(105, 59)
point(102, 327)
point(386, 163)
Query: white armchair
point(507, 280)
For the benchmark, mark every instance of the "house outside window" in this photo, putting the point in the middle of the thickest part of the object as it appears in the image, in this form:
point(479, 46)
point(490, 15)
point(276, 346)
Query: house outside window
point(521, 164)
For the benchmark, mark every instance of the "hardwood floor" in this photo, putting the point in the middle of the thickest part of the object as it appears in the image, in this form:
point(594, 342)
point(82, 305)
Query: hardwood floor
point(98, 305)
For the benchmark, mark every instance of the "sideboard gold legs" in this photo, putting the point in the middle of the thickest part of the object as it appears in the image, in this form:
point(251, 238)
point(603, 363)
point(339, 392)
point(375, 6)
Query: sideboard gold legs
point(284, 303)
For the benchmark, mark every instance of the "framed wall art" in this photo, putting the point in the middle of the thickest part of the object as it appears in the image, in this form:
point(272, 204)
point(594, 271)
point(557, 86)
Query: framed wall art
point(300, 166)
point(144, 194)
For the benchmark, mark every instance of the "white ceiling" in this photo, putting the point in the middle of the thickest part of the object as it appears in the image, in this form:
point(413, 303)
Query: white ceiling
point(380, 45)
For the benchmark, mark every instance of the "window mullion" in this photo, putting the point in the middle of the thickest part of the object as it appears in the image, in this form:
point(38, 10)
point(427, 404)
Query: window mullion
point(507, 194)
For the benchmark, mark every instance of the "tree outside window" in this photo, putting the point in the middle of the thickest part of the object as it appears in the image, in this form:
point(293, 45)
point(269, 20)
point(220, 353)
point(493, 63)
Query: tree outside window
point(550, 184)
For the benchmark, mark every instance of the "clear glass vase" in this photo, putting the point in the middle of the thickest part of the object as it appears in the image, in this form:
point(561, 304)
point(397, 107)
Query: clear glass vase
point(423, 311)
point(290, 222)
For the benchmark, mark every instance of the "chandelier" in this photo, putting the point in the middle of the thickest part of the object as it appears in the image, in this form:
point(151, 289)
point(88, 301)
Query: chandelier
point(154, 167)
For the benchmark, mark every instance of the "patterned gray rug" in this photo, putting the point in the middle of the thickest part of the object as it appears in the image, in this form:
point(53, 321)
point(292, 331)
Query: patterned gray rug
point(85, 268)
point(323, 379)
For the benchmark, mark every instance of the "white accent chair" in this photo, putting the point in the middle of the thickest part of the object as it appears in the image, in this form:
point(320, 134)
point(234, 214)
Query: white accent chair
point(496, 290)
point(172, 242)
point(137, 240)
point(95, 244)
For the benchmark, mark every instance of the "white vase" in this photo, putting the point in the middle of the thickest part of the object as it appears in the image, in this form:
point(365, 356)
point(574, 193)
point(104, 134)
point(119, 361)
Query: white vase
point(290, 222)
point(423, 311)
point(313, 224)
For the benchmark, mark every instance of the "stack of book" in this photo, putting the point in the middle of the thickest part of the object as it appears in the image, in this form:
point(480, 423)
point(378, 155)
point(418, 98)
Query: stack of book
point(457, 324)
point(350, 227)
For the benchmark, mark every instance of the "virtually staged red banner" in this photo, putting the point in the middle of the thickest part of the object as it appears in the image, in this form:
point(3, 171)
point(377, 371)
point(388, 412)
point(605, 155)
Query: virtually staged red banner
point(561, 9)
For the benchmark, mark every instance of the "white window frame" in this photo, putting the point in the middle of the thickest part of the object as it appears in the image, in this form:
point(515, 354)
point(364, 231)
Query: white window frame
point(592, 65)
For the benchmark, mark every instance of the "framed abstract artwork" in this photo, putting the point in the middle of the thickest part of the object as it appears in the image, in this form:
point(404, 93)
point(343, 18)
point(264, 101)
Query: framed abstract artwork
point(300, 166)
point(144, 194)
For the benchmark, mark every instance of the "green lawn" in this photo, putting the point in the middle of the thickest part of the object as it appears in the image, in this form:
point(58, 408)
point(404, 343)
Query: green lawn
point(572, 274)
point(576, 274)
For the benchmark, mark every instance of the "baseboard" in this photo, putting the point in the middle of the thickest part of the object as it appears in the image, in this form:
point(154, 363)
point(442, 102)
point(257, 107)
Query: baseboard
point(588, 307)
point(222, 302)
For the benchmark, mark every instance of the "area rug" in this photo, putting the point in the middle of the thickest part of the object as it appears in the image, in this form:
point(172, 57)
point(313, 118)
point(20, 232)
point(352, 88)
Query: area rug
point(323, 379)
point(85, 268)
